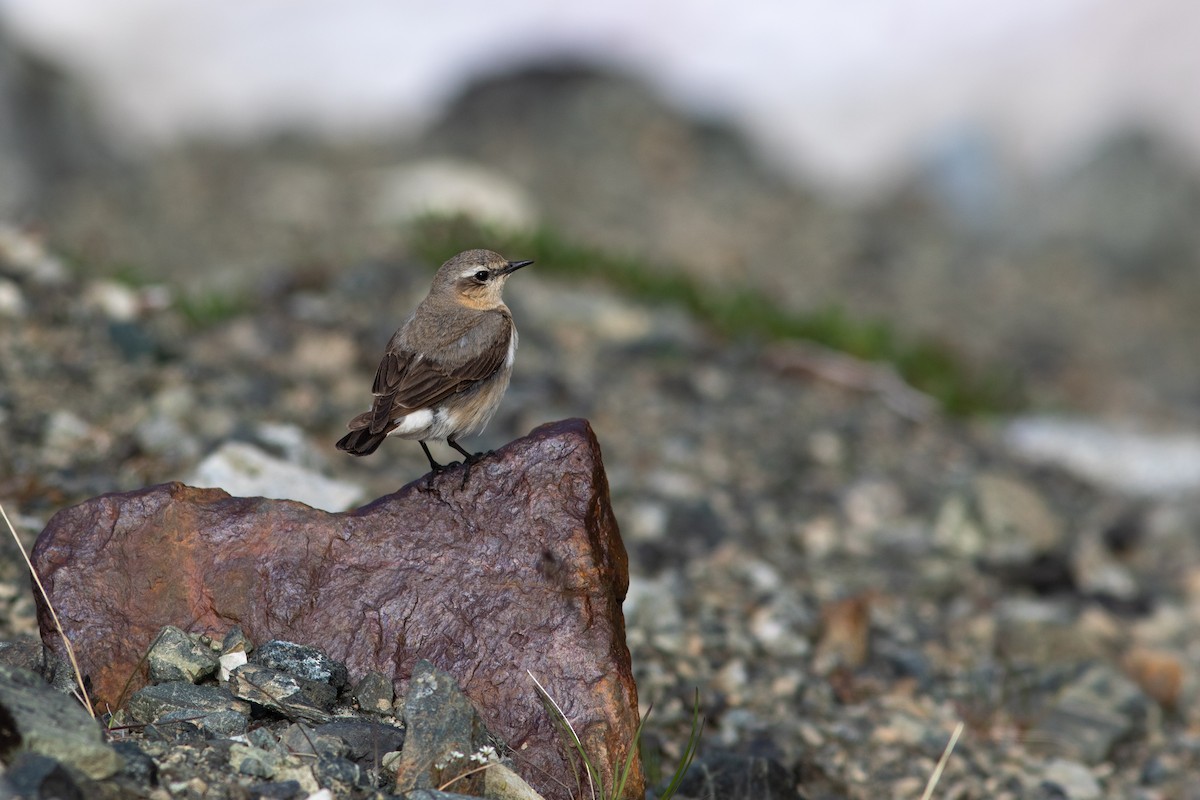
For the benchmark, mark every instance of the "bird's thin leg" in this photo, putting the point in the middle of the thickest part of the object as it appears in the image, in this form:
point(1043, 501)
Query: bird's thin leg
point(433, 465)
point(471, 458)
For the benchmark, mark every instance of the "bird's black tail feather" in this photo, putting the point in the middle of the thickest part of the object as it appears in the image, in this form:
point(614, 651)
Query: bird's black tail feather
point(361, 442)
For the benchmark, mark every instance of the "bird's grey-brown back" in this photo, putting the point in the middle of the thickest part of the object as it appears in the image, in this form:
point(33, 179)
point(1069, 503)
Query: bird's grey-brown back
point(444, 371)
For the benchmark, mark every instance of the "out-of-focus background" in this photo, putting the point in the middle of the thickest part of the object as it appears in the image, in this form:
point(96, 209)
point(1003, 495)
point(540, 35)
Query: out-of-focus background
point(1018, 180)
point(884, 313)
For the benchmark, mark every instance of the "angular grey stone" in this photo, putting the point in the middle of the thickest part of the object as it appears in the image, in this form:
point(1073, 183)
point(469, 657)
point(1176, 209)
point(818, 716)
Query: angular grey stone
point(236, 639)
point(277, 790)
point(264, 739)
point(28, 652)
point(442, 732)
point(235, 649)
point(300, 738)
point(301, 661)
point(175, 734)
point(253, 761)
point(283, 693)
point(38, 719)
point(152, 703)
point(501, 783)
point(1090, 715)
point(340, 774)
point(139, 766)
point(365, 741)
point(375, 693)
point(1016, 522)
point(177, 656)
point(223, 724)
point(36, 776)
point(1072, 780)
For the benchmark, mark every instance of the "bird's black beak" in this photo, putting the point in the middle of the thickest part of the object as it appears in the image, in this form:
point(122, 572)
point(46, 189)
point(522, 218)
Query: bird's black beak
point(513, 266)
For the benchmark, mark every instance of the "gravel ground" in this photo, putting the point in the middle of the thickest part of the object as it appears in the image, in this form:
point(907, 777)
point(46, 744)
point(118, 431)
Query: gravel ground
point(842, 584)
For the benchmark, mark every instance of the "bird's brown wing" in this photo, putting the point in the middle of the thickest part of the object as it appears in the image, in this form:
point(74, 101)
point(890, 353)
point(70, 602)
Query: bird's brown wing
point(405, 381)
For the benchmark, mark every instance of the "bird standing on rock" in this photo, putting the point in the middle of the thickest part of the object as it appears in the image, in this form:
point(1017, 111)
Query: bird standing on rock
point(448, 365)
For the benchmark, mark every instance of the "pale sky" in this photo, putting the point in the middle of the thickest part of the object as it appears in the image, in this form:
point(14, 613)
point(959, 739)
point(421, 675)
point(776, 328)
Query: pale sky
point(842, 92)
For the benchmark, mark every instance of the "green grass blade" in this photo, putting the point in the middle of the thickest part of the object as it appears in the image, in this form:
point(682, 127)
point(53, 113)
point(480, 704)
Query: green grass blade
point(622, 775)
point(689, 752)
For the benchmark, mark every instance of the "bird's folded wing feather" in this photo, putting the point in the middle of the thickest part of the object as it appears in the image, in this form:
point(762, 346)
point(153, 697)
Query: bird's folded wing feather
point(405, 381)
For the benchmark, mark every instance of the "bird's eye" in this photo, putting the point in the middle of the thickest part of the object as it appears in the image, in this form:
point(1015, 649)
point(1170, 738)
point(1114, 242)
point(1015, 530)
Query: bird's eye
point(482, 275)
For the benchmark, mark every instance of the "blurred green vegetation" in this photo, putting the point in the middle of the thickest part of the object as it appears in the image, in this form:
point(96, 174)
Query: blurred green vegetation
point(934, 367)
point(205, 309)
point(202, 308)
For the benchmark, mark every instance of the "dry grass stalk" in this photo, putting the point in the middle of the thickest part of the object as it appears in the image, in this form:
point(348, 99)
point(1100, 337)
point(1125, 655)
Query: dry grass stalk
point(82, 693)
point(941, 765)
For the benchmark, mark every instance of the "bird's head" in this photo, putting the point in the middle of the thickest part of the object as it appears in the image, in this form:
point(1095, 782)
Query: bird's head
point(475, 278)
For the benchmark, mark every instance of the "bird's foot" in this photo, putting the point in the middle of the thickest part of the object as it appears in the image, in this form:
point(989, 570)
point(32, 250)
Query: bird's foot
point(433, 473)
point(469, 459)
point(475, 458)
point(464, 465)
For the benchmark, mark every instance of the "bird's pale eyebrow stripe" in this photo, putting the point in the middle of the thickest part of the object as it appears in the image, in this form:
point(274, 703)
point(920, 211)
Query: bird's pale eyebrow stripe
point(470, 273)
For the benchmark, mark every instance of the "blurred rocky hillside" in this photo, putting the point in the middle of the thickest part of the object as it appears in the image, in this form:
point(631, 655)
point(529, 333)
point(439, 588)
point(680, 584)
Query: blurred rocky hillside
point(1086, 285)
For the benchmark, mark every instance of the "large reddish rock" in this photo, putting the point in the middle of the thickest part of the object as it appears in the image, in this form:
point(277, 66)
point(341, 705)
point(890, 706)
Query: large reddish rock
point(523, 569)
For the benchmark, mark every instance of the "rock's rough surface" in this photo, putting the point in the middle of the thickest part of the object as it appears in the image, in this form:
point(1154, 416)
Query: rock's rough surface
point(521, 569)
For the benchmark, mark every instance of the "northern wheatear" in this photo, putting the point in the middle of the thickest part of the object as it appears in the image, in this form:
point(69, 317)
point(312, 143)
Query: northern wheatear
point(445, 370)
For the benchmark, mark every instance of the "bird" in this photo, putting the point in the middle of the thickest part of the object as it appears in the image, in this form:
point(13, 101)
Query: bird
point(446, 368)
